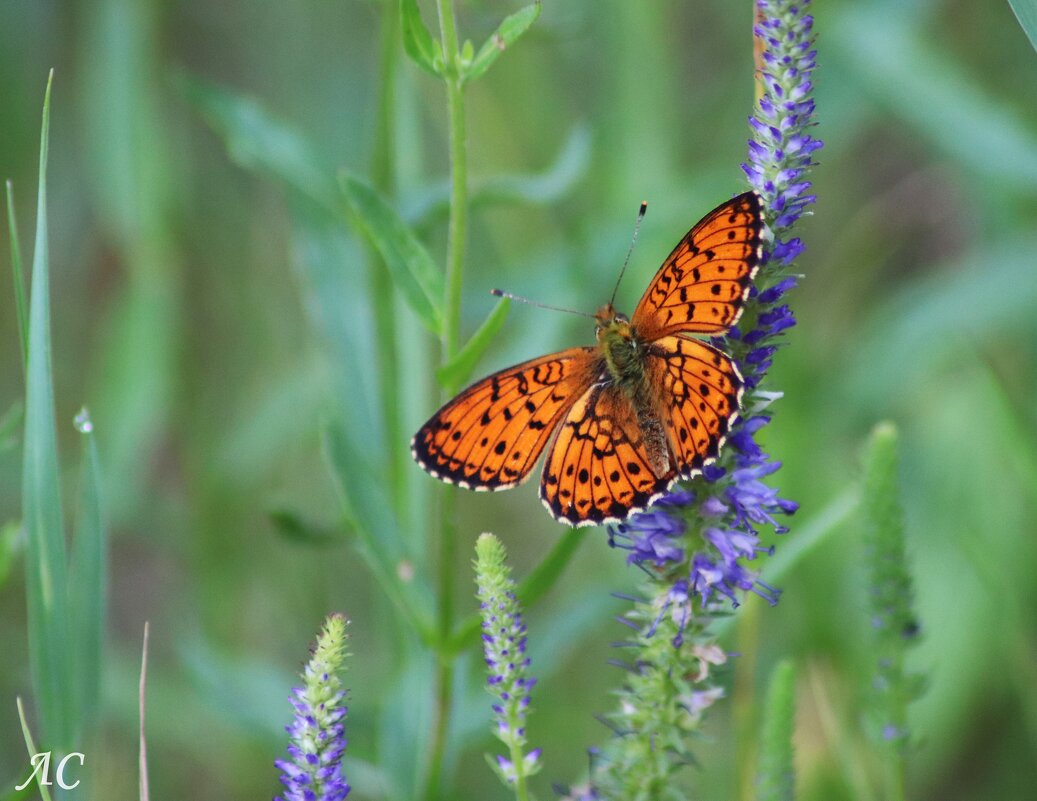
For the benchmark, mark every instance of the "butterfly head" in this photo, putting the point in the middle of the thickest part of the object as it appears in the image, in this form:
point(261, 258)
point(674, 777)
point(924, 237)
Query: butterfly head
point(611, 322)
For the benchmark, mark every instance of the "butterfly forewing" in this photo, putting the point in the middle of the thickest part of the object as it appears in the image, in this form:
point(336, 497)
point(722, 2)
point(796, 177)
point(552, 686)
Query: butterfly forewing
point(701, 286)
point(698, 391)
point(490, 436)
point(604, 462)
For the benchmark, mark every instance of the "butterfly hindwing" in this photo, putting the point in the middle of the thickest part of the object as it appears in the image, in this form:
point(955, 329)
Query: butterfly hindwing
point(605, 461)
point(702, 284)
point(698, 391)
point(490, 436)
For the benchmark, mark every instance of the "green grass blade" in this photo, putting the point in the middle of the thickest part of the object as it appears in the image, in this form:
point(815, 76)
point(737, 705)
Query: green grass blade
point(409, 263)
point(457, 371)
point(88, 580)
point(776, 778)
point(1026, 13)
point(30, 747)
point(41, 498)
point(507, 33)
point(20, 298)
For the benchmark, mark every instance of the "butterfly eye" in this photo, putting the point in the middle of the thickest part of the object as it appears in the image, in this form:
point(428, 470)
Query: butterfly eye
point(622, 318)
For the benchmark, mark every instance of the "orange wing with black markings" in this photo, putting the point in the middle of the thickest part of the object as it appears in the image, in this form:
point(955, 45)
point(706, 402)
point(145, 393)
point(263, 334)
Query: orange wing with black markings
point(607, 460)
point(490, 436)
point(703, 283)
point(698, 392)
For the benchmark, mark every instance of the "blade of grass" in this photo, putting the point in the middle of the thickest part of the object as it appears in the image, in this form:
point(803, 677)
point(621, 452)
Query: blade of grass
point(88, 580)
point(20, 299)
point(142, 758)
point(46, 573)
point(30, 746)
point(1026, 13)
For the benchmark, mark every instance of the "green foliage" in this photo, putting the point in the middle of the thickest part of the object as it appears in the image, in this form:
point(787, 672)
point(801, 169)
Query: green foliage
point(775, 779)
point(457, 371)
point(46, 571)
point(409, 263)
point(417, 41)
point(1026, 13)
point(20, 298)
point(510, 29)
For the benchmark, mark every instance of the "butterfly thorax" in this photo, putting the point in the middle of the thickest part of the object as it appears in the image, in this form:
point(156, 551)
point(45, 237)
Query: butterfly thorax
point(623, 353)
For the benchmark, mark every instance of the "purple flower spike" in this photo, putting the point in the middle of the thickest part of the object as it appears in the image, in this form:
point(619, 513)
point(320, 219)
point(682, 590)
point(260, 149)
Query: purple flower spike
point(318, 741)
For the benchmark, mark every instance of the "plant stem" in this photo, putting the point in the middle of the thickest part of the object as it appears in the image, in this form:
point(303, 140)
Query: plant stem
point(449, 346)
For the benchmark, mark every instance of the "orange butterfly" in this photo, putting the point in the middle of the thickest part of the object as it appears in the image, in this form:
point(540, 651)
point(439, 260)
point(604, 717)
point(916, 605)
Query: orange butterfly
point(624, 419)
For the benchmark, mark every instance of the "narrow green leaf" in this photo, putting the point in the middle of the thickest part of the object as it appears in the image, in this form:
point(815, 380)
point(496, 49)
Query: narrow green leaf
point(417, 41)
point(456, 371)
point(411, 266)
point(20, 298)
point(510, 29)
point(776, 777)
point(1026, 13)
point(256, 140)
point(10, 423)
point(892, 623)
point(30, 747)
point(377, 539)
point(46, 573)
point(88, 580)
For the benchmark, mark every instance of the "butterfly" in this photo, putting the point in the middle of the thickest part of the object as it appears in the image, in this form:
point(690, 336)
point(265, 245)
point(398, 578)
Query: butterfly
point(624, 419)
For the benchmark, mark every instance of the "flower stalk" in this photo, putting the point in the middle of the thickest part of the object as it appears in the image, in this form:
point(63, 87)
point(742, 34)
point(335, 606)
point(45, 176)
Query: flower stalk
point(314, 770)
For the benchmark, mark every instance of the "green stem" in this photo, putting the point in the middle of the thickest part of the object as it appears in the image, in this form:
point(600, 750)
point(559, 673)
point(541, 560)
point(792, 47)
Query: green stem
point(449, 347)
point(519, 763)
point(382, 290)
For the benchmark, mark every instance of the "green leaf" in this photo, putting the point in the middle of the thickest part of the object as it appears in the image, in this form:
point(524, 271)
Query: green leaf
point(30, 746)
point(776, 777)
point(456, 371)
point(510, 29)
point(88, 580)
point(1026, 13)
point(417, 41)
point(411, 266)
point(256, 140)
point(377, 538)
point(20, 298)
point(46, 573)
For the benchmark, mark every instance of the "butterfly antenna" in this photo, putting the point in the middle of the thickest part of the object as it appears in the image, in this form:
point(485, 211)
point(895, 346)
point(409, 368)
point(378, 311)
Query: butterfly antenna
point(502, 294)
point(633, 241)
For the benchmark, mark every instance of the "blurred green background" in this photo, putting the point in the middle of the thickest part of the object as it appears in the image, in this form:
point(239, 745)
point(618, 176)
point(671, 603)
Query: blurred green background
point(212, 323)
